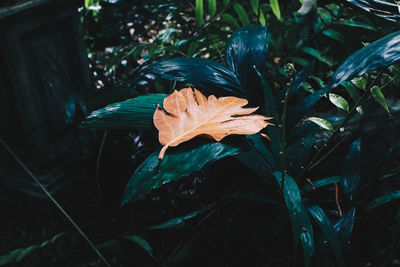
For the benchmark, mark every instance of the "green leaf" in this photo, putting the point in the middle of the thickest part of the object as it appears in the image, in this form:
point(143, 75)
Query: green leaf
point(383, 200)
point(199, 13)
point(325, 15)
point(212, 7)
point(192, 48)
point(339, 101)
point(317, 54)
point(357, 24)
point(379, 97)
point(226, 2)
point(325, 224)
point(335, 35)
point(227, 18)
point(321, 122)
point(321, 182)
point(132, 114)
point(141, 242)
point(18, 254)
point(176, 222)
point(360, 82)
point(257, 143)
point(178, 162)
point(241, 12)
point(302, 228)
point(254, 6)
point(275, 8)
point(274, 132)
point(352, 90)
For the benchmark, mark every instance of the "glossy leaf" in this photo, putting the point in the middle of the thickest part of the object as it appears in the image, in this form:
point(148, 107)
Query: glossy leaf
point(298, 153)
point(190, 157)
point(381, 53)
point(302, 228)
point(379, 97)
point(175, 222)
point(199, 13)
point(132, 114)
point(274, 132)
point(247, 48)
point(339, 101)
point(383, 200)
point(187, 114)
point(275, 8)
point(321, 122)
point(257, 143)
point(321, 182)
point(142, 243)
point(241, 12)
point(360, 82)
point(383, 9)
point(202, 73)
point(212, 7)
point(350, 176)
point(352, 90)
point(325, 224)
point(356, 24)
point(344, 227)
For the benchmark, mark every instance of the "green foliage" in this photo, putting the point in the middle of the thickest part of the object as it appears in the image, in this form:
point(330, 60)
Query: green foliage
point(299, 81)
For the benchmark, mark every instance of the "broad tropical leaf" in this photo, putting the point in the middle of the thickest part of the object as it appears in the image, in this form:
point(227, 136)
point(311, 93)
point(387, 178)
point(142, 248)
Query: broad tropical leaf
point(188, 113)
point(133, 114)
point(202, 73)
point(383, 9)
point(182, 161)
point(247, 48)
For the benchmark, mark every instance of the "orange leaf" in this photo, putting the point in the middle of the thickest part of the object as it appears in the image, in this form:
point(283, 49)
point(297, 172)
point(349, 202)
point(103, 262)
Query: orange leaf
point(188, 113)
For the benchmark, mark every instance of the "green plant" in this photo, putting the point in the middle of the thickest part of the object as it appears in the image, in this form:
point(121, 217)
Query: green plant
point(294, 153)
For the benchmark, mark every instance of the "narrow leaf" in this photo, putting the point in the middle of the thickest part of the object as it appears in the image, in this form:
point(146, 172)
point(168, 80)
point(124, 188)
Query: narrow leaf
point(324, 223)
point(199, 13)
point(212, 7)
point(317, 54)
point(142, 243)
point(339, 101)
point(175, 222)
point(356, 24)
point(383, 9)
point(321, 122)
point(302, 228)
point(335, 35)
point(383, 200)
point(275, 8)
point(379, 97)
point(190, 157)
point(241, 12)
point(321, 182)
point(133, 114)
point(352, 90)
point(227, 18)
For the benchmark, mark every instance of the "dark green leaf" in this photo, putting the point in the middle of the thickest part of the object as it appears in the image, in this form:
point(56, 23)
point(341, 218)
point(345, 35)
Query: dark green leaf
point(190, 157)
point(325, 224)
point(254, 6)
point(247, 48)
point(317, 54)
point(334, 35)
point(383, 200)
point(141, 242)
point(351, 177)
point(339, 101)
point(302, 228)
point(133, 114)
point(212, 7)
point(227, 18)
point(241, 12)
point(379, 97)
point(360, 82)
point(176, 222)
point(298, 153)
point(381, 53)
point(202, 73)
point(321, 182)
point(325, 15)
point(199, 13)
point(257, 142)
point(384, 9)
point(357, 24)
point(352, 90)
point(18, 254)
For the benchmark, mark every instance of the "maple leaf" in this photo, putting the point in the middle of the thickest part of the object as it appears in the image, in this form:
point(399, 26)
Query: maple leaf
point(188, 113)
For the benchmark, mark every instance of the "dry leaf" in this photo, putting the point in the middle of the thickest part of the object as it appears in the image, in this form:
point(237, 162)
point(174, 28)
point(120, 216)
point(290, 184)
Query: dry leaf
point(188, 113)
